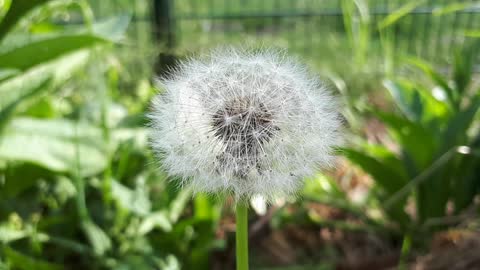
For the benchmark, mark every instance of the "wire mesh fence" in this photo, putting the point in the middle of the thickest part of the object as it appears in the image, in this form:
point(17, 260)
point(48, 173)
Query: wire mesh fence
point(340, 30)
point(429, 28)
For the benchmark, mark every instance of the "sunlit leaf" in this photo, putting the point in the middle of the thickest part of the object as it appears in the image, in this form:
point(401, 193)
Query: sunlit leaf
point(471, 33)
point(323, 186)
point(399, 13)
point(7, 112)
point(407, 99)
point(416, 103)
point(9, 234)
point(135, 201)
point(178, 204)
point(155, 220)
point(436, 77)
point(418, 141)
point(40, 51)
point(52, 144)
point(463, 67)
point(58, 70)
point(112, 29)
point(460, 123)
point(8, 73)
point(97, 237)
point(385, 176)
point(17, 9)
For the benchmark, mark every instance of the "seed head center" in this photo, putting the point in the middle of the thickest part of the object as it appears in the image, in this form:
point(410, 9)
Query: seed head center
point(244, 125)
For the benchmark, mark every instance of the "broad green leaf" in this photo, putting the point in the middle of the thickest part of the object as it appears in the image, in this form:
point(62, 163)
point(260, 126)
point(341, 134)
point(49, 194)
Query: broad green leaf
point(40, 51)
point(380, 152)
point(59, 70)
point(18, 8)
point(463, 68)
point(407, 99)
point(419, 142)
point(202, 207)
point(416, 103)
point(399, 13)
point(323, 186)
point(52, 144)
point(97, 237)
point(24, 262)
point(3, 266)
point(29, 175)
point(384, 176)
point(44, 107)
point(35, 53)
point(435, 77)
point(155, 220)
point(466, 182)
point(135, 201)
point(178, 204)
point(7, 73)
point(471, 33)
point(170, 263)
point(112, 29)
point(458, 126)
point(7, 112)
point(9, 234)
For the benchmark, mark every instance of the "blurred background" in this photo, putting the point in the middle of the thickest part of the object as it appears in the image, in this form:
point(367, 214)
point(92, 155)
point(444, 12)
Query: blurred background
point(80, 188)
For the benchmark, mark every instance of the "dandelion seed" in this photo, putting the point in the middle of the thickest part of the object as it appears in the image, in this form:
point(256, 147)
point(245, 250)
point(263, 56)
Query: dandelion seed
point(247, 123)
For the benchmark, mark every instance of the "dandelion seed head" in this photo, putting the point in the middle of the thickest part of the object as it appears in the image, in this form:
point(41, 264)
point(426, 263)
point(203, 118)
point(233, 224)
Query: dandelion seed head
point(243, 122)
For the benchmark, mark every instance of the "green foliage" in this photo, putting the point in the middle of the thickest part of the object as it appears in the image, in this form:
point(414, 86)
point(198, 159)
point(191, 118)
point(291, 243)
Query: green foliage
point(432, 158)
point(78, 186)
point(17, 9)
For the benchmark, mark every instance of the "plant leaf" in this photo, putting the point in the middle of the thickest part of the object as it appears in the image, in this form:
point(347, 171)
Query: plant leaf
point(17, 9)
point(399, 13)
point(135, 201)
point(24, 262)
point(463, 68)
point(7, 112)
point(436, 77)
point(155, 220)
point(97, 237)
point(407, 99)
point(411, 136)
point(417, 103)
point(59, 70)
point(52, 144)
point(9, 234)
point(459, 124)
point(178, 204)
point(385, 176)
point(40, 51)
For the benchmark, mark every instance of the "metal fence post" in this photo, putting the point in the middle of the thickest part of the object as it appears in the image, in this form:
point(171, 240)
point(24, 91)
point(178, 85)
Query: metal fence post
point(163, 27)
point(164, 34)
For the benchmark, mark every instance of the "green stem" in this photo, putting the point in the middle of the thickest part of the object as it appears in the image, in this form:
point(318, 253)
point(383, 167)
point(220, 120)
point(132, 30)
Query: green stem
point(406, 247)
point(242, 236)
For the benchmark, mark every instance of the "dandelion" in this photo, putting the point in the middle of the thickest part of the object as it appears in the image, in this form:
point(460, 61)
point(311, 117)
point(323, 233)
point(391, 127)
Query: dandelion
point(246, 123)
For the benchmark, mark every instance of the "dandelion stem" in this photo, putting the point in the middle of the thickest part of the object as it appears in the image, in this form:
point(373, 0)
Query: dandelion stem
point(242, 236)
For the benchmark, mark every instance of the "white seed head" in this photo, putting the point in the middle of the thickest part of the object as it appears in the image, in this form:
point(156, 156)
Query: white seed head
point(243, 122)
